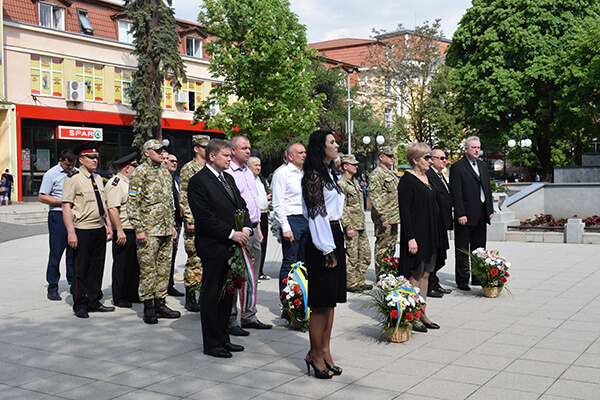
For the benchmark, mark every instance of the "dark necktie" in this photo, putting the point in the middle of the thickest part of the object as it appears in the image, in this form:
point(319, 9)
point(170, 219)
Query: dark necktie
point(178, 218)
point(226, 186)
point(98, 198)
point(444, 181)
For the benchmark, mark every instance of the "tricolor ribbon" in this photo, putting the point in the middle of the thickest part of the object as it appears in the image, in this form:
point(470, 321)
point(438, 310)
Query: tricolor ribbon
point(299, 272)
point(248, 286)
point(399, 307)
point(501, 288)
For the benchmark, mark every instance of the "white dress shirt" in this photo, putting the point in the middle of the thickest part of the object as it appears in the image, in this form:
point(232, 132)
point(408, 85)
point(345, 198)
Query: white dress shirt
point(287, 194)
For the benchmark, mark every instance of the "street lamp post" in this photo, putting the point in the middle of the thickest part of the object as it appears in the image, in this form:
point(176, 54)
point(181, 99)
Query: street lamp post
point(349, 126)
point(522, 141)
point(379, 139)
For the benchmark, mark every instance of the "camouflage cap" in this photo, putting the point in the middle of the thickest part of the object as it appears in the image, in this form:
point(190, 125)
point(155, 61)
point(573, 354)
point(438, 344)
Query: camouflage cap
point(153, 144)
point(200, 140)
point(387, 150)
point(349, 159)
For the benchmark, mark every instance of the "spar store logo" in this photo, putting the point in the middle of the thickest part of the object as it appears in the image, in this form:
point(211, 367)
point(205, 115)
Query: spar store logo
point(79, 133)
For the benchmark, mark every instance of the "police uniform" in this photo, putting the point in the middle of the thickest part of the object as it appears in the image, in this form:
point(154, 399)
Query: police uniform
point(383, 193)
point(190, 169)
point(125, 269)
point(150, 211)
point(353, 218)
point(84, 192)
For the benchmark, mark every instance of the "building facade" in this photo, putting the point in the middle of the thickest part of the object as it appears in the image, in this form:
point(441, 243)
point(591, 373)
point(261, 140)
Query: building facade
point(66, 65)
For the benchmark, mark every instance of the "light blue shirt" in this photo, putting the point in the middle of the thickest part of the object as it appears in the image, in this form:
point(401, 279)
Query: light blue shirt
point(52, 184)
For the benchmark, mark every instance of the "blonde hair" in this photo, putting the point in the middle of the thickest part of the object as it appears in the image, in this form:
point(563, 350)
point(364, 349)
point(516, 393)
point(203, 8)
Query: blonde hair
point(416, 150)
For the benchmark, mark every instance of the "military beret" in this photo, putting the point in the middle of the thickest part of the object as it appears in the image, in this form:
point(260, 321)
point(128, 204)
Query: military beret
point(200, 140)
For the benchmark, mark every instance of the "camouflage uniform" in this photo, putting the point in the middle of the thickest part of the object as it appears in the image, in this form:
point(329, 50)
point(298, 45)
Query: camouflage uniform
point(383, 193)
point(150, 210)
point(193, 261)
point(357, 247)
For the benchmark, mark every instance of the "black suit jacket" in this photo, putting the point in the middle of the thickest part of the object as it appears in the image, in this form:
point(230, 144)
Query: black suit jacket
point(213, 211)
point(465, 188)
point(443, 197)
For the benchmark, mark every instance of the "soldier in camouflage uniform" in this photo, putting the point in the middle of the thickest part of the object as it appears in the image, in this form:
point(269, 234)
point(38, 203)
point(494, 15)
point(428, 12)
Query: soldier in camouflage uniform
point(383, 189)
point(150, 211)
point(190, 169)
point(355, 233)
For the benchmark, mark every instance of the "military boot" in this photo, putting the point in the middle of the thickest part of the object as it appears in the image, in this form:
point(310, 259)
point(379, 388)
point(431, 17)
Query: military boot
point(190, 301)
point(162, 311)
point(149, 312)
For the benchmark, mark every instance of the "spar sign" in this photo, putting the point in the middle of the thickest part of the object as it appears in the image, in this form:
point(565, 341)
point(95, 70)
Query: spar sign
point(79, 133)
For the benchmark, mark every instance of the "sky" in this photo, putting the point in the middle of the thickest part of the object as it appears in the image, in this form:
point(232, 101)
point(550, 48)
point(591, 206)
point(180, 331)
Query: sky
point(335, 19)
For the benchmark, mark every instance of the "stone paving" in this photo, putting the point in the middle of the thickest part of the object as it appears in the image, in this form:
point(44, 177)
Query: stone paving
point(538, 341)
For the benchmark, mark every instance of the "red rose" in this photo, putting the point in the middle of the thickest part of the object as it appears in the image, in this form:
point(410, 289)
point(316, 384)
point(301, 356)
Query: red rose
point(409, 317)
point(506, 273)
point(297, 302)
point(503, 280)
point(417, 314)
point(297, 289)
point(229, 290)
point(385, 259)
point(284, 281)
point(494, 272)
point(282, 296)
point(394, 314)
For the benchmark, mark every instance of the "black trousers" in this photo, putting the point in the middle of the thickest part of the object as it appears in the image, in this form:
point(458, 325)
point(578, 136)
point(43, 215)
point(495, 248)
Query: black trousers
point(125, 269)
point(264, 228)
point(89, 268)
point(214, 314)
point(468, 238)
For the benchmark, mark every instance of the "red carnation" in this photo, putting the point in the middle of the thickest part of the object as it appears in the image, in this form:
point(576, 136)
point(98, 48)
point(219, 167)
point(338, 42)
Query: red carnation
point(297, 289)
point(503, 280)
point(284, 281)
point(282, 296)
point(494, 271)
point(394, 314)
point(386, 259)
point(506, 273)
point(297, 302)
point(417, 314)
point(409, 317)
point(230, 290)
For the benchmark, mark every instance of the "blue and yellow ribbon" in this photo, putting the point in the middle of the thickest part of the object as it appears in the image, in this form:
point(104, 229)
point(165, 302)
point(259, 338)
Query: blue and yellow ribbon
point(399, 307)
point(299, 271)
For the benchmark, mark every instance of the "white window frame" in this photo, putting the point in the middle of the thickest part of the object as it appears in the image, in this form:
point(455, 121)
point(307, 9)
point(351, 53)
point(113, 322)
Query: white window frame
point(124, 82)
point(55, 11)
point(82, 77)
point(124, 35)
point(196, 45)
point(83, 17)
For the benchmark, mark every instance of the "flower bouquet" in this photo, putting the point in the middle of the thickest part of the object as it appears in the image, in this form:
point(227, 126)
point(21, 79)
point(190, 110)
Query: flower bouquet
point(398, 306)
point(195, 276)
point(295, 307)
point(389, 265)
point(240, 263)
point(490, 269)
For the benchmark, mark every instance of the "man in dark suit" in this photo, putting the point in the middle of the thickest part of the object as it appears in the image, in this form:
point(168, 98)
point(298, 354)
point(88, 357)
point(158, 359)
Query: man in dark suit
point(214, 199)
point(473, 207)
point(444, 200)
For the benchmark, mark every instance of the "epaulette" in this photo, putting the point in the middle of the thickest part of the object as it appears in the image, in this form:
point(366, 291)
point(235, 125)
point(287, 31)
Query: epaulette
point(116, 181)
point(73, 173)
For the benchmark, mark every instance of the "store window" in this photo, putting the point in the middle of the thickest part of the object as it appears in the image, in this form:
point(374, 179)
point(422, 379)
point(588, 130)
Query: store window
point(192, 92)
point(123, 78)
point(92, 76)
point(52, 16)
point(167, 94)
point(46, 76)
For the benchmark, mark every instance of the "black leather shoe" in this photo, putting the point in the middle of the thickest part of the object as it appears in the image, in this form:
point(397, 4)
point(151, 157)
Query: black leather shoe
point(218, 352)
point(464, 286)
point(102, 308)
point(256, 325)
point(442, 290)
point(354, 289)
point(174, 292)
point(237, 331)
point(420, 328)
point(123, 304)
point(82, 314)
point(431, 325)
point(434, 293)
point(233, 347)
point(366, 286)
point(54, 296)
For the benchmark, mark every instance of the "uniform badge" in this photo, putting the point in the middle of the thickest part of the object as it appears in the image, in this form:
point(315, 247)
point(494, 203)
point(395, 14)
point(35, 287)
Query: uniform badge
point(133, 190)
point(116, 181)
point(73, 173)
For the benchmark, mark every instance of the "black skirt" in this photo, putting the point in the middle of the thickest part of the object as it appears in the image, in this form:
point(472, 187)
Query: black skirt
point(326, 286)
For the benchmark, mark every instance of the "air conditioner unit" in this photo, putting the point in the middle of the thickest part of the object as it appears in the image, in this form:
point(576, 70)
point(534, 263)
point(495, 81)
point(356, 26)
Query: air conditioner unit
point(181, 98)
point(214, 109)
point(75, 91)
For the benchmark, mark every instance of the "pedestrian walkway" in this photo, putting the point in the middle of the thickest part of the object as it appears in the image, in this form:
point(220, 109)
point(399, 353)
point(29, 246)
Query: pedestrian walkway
point(538, 341)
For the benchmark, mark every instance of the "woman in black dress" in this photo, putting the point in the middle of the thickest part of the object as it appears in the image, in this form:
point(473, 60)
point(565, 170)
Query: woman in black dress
point(323, 205)
point(419, 221)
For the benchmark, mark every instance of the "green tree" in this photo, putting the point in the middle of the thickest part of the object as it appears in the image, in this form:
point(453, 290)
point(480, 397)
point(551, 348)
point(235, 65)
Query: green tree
point(260, 51)
point(156, 40)
point(507, 63)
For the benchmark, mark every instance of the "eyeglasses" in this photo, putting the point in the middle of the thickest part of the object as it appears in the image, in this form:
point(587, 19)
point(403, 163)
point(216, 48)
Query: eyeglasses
point(441, 158)
point(427, 157)
point(173, 161)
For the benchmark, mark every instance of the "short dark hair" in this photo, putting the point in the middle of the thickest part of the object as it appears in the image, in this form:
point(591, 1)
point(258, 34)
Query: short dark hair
point(67, 154)
point(215, 146)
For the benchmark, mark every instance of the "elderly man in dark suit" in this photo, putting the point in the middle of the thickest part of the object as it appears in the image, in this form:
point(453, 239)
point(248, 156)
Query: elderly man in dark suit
point(444, 201)
point(473, 208)
point(214, 199)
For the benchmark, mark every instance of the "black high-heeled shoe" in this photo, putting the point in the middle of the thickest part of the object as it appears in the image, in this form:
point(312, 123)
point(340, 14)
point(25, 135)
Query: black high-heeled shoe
point(333, 368)
point(324, 374)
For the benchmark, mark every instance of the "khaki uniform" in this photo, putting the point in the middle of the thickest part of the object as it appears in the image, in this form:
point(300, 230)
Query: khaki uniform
point(193, 261)
point(357, 247)
point(78, 190)
point(150, 209)
point(383, 193)
point(116, 193)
